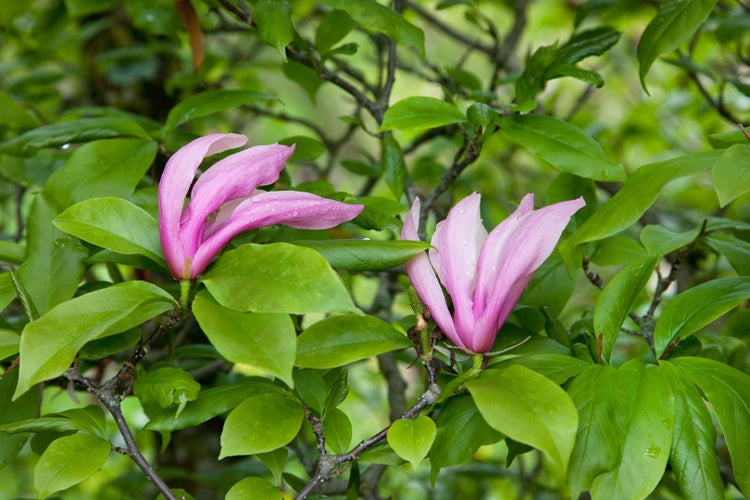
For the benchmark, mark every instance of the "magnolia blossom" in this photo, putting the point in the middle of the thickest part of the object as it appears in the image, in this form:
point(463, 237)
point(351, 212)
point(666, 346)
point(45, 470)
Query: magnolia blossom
point(225, 202)
point(484, 274)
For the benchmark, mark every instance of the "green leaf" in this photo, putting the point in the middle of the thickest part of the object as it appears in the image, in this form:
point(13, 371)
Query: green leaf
point(563, 145)
point(60, 134)
point(275, 461)
point(728, 391)
point(693, 456)
point(735, 250)
point(49, 344)
point(332, 29)
point(23, 408)
point(15, 115)
point(256, 488)
point(259, 424)
point(675, 23)
point(618, 299)
point(698, 306)
point(210, 102)
point(167, 386)
point(211, 403)
point(89, 419)
point(306, 148)
point(417, 112)
point(68, 461)
point(265, 341)
point(77, 8)
point(461, 430)
point(372, 16)
point(659, 240)
point(111, 167)
point(337, 429)
point(556, 367)
point(275, 28)
point(528, 408)
point(115, 224)
point(9, 343)
point(731, 175)
point(412, 439)
point(365, 255)
point(393, 164)
point(635, 197)
point(276, 278)
point(340, 340)
point(587, 43)
point(54, 264)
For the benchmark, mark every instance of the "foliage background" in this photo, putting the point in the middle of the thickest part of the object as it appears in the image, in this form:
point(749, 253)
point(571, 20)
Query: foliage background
point(137, 60)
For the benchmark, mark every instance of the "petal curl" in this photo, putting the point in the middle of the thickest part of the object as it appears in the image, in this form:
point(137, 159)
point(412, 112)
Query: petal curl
point(173, 188)
point(292, 208)
point(235, 176)
point(425, 282)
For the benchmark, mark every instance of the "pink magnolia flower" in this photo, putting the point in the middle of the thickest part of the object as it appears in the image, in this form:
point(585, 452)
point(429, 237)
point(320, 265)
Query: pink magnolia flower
point(224, 201)
point(484, 274)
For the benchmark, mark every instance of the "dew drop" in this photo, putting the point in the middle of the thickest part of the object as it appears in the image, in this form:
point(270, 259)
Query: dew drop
point(652, 451)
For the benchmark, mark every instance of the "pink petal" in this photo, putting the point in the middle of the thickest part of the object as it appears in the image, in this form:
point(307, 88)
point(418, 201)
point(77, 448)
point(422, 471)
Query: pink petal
point(236, 176)
point(458, 240)
point(173, 188)
point(512, 253)
point(292, 208)
point(424, 280)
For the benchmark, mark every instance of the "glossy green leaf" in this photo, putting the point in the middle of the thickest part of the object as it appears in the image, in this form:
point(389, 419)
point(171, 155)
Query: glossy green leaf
point(332, 29)
point(265, 341)
point(728, 391)
point(731, 175)
point(698, 306)
point(675, 23)
point(418, 112)
point(461, 430)
point(68, 461)
point(273, 18)
point(635, 197)
point(618, 299)
point(337, 428)
point(340, 340)
point(587, 43)
point(275, 461)
point(259, 424)
point(54, 264)
point(393, 164)
point(528, 408)
point(115, 224)
point(276, 278)
point(88, 419)
point(74, 131)
point(49, 344)
point(563, 145)
point(211, 403)
point(693, 456)
point(110, 167)
point(111, 345)
point(166, 386)
point(556, 367)
point(735, 250)
point(211, 102)
point(551, 286)
point(365, 255)
point(659, 240)
point(9, 343)
point(617, 250)
point(372, 16)
point(21, 409)
point(412, 439)
point(255, 488)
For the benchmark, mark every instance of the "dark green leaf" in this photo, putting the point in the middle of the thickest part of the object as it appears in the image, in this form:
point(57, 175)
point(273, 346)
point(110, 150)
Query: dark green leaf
point(365, 255)
point(9, 343)
point(306, 148)
point(735, 250)
point(337, 429)
point(276, 278)
point(265, 341)
point(659, 240)
point(394, 167)
point(275, 28)
point(332, 29)
point(210, 102)
point(340, 340)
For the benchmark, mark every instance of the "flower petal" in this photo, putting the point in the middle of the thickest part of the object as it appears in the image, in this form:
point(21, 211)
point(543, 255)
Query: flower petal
point(457, 241)
point(292, 208)
point(173, 188)
point(512, 253)
point(235, 176)
point(425, 282)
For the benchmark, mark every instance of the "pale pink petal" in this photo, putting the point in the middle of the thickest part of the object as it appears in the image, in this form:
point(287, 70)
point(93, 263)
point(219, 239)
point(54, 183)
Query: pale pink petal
point(173, 188)
point(514, 252)
point(458, 240)
point(292, 208)
point(424, 280)
point(235, 176)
